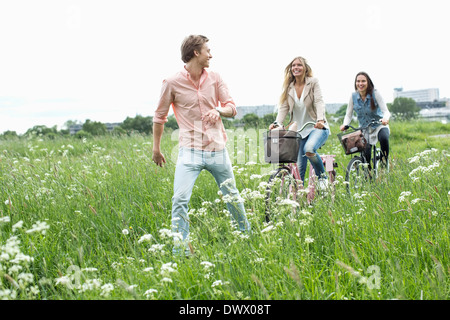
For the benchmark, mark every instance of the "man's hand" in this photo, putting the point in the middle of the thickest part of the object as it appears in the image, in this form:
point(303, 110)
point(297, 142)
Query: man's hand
point(211, 117)
point(158, 158)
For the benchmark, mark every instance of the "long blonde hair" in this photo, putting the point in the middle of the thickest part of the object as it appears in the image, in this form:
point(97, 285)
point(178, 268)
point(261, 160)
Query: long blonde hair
point(289, 78)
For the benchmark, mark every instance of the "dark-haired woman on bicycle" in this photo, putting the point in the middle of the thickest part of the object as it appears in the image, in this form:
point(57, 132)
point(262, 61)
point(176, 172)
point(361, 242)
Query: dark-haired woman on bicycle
point(368, 104)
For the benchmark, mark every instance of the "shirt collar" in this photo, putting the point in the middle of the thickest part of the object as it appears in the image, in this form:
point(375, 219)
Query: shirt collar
point(188, 75)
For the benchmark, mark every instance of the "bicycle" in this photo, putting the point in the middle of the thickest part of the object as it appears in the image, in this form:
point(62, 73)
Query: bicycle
point(285, 186)
point(359, 170)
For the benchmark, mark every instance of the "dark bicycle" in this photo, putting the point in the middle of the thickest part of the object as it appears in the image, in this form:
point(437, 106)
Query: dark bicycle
point(360, 170)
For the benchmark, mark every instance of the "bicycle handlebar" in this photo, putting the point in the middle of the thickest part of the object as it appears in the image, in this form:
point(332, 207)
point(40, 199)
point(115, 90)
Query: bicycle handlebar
point(362, 128)
point(308, 124)
point(304, 126)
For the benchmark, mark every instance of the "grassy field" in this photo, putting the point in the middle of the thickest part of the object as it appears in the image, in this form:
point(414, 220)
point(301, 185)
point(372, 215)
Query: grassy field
point(90, 219)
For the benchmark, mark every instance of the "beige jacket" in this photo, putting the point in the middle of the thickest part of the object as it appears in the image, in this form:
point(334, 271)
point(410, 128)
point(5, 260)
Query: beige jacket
point(313, 101)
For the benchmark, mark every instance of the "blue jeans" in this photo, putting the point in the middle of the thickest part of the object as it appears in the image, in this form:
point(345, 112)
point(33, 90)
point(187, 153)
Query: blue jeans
point(189, 165)
point(311, 144)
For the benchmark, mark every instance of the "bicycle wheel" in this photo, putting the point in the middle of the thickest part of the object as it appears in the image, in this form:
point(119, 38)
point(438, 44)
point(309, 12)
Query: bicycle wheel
point(357, 173)
point(281, 193)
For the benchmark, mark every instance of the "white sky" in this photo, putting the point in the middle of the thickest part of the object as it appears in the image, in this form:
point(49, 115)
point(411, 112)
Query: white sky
point(105, 60)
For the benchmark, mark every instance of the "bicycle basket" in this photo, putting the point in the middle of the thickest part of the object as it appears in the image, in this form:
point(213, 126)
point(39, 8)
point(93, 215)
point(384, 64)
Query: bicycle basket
point(281, 146)
point(352, 142)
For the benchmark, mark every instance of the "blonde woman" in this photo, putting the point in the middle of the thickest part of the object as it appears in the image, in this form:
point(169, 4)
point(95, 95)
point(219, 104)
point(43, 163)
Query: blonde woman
point(302, 100)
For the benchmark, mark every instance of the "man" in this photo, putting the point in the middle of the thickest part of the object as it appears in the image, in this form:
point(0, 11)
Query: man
point(194, 94)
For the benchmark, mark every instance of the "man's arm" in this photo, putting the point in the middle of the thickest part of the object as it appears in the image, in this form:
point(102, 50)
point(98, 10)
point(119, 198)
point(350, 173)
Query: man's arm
point(227, 112)
point(158, 157)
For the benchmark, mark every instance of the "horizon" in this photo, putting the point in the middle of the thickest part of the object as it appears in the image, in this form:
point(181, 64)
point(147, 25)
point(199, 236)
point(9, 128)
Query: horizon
point(106, 60)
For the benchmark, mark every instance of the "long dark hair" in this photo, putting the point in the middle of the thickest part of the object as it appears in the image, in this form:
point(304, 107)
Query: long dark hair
point(370, 88)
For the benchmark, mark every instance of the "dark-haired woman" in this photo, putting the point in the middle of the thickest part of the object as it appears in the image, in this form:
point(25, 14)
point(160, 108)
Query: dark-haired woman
point(368, 104)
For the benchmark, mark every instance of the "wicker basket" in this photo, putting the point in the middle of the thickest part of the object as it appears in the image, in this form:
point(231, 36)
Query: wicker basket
point(352, 142)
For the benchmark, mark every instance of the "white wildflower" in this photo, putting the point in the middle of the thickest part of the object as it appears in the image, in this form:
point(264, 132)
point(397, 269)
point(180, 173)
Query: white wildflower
point(157, 247)
point(5, 219)
point(165, 233)
point(414, 159)
point(39, 227)
point(168, 268)
point(146, 238)
point(289, 202)
point(150, 292)
point(227, 183)
point(267, 229)
point(20, 257)
point(207, 265)
point(106, 289)
point(25, 278)
point(64, 280)
point(403, 196)
point(18, 225)
point(308, 239)
point(219, 283)
point(125, 231)
point(14, 269)
point(165, 279)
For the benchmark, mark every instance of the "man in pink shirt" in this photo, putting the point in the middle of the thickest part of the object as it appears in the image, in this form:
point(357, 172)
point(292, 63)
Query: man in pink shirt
point(194, 95)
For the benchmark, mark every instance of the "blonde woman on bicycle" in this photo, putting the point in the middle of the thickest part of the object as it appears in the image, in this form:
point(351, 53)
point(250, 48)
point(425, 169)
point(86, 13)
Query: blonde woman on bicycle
point(368, 104)
point(302, 100)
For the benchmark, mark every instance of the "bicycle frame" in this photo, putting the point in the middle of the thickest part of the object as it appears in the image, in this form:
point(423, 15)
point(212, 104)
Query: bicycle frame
point(291, 169)
point(329, 164)
point(361, 158)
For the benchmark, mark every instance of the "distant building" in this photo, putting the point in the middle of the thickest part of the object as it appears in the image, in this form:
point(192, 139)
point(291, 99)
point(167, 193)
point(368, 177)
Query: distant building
point(423, 95)
point(260, 111)
point(77, 127)
point(432, 104)
point(110, 126)
point(332, 108)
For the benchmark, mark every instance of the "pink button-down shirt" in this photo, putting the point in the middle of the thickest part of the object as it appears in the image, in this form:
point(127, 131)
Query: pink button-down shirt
point(190, 104)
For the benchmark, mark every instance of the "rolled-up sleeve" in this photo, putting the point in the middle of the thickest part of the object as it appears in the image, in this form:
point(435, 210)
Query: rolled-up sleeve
point(224, 95)
point(318, 101)
point(382, 105)
point(165, 100)
point(348, 113)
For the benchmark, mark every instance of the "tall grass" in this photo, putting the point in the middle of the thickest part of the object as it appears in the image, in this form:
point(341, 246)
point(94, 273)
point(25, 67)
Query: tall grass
point(90, 219)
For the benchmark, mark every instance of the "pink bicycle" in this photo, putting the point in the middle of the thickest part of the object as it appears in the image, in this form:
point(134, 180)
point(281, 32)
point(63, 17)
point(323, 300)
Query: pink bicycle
point(285, 186)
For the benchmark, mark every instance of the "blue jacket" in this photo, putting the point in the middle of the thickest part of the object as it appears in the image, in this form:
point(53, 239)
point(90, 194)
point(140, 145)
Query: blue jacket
point(363, 110)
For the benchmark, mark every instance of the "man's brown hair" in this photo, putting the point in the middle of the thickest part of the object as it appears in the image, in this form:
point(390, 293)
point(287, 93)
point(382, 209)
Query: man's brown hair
point(190, 44)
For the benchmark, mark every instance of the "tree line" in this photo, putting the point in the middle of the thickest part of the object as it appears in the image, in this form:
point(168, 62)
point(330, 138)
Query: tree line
point(402, 109)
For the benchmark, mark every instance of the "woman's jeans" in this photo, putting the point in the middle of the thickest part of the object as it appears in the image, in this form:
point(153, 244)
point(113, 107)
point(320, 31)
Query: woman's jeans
point(311, 144)
point(189, 165)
